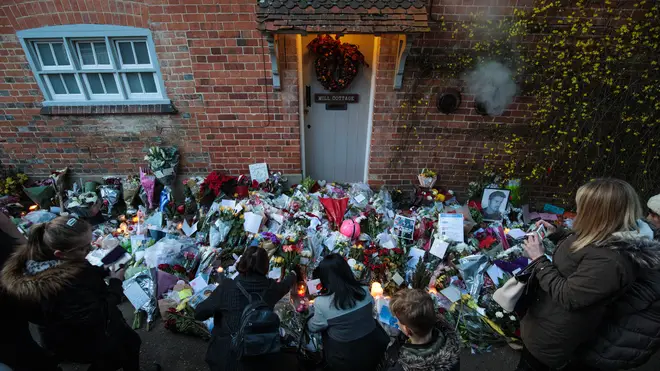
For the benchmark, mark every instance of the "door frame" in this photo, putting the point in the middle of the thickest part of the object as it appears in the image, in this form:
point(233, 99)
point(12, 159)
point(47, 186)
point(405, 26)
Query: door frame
point(301, 104)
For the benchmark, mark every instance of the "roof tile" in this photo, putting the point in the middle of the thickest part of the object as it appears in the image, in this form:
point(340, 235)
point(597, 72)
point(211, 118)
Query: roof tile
point(346, 16)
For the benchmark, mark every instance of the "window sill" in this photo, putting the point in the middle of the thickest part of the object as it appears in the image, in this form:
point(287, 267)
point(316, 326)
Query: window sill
point(109, 109)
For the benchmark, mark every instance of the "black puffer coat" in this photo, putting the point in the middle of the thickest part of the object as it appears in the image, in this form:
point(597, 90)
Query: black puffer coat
point(630, 333)
point(74, 308)
point(226, 306)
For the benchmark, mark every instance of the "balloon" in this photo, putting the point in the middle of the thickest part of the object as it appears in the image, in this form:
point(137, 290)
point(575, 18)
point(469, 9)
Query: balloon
point(350, 229)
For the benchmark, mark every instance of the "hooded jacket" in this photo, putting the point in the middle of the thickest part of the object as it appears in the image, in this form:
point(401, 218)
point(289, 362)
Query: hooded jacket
point(630, 332)
point(70, 302)
point(577, 291)
point(441, 354)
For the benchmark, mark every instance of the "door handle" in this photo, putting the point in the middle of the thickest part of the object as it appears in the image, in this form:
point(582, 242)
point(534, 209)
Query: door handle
point(308, 96)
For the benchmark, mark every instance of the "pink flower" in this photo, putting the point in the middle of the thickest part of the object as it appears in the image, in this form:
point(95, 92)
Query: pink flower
point(288, 248)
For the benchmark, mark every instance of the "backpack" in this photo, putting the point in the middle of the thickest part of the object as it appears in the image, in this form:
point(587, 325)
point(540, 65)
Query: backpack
point(259, 330)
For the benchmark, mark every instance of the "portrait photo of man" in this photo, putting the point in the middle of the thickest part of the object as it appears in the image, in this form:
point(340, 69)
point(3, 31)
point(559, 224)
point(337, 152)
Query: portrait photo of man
point(494, 202)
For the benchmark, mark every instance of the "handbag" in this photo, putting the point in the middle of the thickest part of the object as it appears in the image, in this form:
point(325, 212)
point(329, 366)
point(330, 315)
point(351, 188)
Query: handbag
point(509, 295)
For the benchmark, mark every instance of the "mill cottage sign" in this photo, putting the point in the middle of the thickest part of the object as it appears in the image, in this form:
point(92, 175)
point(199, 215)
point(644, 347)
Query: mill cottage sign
point(336, 98)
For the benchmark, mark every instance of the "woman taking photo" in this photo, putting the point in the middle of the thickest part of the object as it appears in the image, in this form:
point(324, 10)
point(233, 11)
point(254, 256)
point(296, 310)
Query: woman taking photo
point(226, 305)
point(352, 339)
point(592, 268)
point(68, 299)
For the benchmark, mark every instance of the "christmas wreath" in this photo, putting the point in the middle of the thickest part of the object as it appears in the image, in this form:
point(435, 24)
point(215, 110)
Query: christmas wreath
point(337, 63)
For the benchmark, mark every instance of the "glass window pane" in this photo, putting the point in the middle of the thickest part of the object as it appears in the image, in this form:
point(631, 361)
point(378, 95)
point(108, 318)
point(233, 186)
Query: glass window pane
point(86, 53)
point(47, 58)
point(71, 84)
point(56, 83)
point(60, 54)
point(95, 83)
point(126, 53)
point(101, 53)
point(142, 53)
point(134, 82)
point(110, 85)
point(148, 82)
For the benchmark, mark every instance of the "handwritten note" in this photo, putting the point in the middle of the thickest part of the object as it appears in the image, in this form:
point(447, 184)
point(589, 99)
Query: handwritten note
point(451, 226)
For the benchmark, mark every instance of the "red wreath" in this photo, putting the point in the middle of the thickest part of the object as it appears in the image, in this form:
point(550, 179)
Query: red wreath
point(337, 64)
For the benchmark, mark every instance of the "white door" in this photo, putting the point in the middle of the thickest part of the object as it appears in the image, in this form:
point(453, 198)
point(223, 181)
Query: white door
point(336, 140)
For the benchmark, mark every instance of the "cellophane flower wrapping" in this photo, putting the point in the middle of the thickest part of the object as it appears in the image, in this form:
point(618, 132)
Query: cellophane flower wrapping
point(165, 251)
point(146, 279)
point(130, 188)
point(110, 196)
point(335, 209)
point(219, 231)
point(473, 328)
point(163, 162)
point(472, 270)
point(148, 183)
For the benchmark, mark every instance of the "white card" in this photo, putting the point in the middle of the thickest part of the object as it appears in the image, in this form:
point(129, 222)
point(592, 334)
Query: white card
point(451, 226)
point(415, 254)
point(136, 295)
point(259, 172)
point(275, 273)
point(252, 222)
point(228, 203)
point(155, 220)
point(359, 198)
point(187, 229)
point(452, 293)
point(516, 233)
point(277, 217)
point(313, 286)
point(238, 208)
point(495, 274)
point(397, 279)
point(439, 248)
point(198, 284)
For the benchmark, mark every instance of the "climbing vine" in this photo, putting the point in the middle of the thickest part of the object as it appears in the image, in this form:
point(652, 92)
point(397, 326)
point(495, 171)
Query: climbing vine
point(591, 69)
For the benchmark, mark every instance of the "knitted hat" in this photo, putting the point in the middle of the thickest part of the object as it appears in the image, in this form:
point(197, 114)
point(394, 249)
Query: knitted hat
point(654, 204)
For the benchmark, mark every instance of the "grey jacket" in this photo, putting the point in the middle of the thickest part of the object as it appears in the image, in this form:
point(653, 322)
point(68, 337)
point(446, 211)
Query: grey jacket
point(343, 325)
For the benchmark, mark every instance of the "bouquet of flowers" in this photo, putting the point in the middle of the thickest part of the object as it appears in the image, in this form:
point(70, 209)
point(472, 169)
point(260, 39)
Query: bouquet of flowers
point(84, 205)
point(148, 185)
point(110, 192)
point(473, 328)
point(214, 184)
point(12, 184)
point(219, 230)
point(270, 242)
point(427, 178)
point(183, 322)
point(130, 187)
point(41, 192)
point(163, 163)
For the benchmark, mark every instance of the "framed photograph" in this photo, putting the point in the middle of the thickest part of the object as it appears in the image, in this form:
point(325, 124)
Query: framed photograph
point(493, 203)
point(404, 227)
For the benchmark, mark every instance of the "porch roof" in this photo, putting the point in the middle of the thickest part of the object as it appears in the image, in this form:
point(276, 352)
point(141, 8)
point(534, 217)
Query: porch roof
point(343, 16)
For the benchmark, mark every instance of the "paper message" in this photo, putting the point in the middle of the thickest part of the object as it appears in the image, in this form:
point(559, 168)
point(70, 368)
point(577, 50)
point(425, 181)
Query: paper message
point(415, 254)
point(136, 295)
point(452, 293)
point(187, 229)
point(198, 284)
point(496, 274)
point(252, 222)
point(516, 233)
point(451, 226)
point(228, 203)
point(259, 172)
point(397, 279)
point(404, 227)
point(314, 286)
point(359, 198)
point(155, 220)
point(439, 248)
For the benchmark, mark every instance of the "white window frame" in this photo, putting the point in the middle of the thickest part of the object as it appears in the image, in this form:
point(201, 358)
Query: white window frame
point(70, 36)
point(57, 66)
point(132, 65)
point(96, 65)
point(67, 96)
point(103, 96)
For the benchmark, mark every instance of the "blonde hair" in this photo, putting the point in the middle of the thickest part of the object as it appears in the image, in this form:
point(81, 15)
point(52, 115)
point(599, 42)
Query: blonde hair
point(62, 233)
point(605, 206)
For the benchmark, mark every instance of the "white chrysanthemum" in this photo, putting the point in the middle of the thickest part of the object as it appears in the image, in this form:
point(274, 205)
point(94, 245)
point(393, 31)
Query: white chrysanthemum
point(499, 314)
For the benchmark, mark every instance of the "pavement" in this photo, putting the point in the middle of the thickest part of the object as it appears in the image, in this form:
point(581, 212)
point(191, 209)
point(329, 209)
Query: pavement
point(175, 352)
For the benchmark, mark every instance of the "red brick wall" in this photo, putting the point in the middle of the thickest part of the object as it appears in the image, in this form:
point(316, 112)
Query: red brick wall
point(216, 69)
point(454, 145)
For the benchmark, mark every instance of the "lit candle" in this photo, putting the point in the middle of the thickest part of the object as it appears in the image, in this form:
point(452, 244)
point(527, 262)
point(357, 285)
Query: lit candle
point(219, 270)
point(179, 226)
point(301, 290)
point(376, 289)
point(135, 219)
point(506, 230)
point(33, 207)
point(433, 291)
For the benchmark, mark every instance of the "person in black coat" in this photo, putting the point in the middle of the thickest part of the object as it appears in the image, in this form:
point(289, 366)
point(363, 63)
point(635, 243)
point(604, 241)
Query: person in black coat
point(18, 350)
point(226, 306)
point(68, 299)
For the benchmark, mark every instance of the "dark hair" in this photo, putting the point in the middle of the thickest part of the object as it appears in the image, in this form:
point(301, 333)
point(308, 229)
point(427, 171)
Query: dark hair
point(338, 279)
point(414, 309)
point(62, 233)
point(7, 246)
point(496, 194)
point(253, 261)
